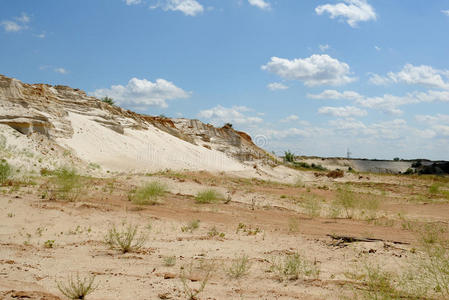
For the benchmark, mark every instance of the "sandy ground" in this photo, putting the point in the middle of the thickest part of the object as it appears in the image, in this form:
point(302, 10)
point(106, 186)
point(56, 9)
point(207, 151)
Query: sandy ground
point(275, 221)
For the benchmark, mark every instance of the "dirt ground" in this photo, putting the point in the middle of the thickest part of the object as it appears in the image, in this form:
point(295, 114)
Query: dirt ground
point(44, 241)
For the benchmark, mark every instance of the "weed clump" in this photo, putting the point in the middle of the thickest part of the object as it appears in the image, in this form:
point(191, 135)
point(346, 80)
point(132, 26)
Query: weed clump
point(191, 226)
point(126, 239)
point(77, 287)
point(208, 196)
point(5, 171)
point(293, 267)
point(148, 194)
point(239, 267)
point(67, 184)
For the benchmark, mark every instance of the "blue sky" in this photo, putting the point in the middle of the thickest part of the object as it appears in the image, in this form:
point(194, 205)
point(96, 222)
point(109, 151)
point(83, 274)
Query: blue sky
point(316, 77)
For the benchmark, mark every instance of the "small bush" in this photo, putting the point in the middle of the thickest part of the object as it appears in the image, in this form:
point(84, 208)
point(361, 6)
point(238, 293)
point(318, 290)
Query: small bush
point(289, 156)
point(335, 174)
point(191, 226)
point(126, 239)
point(213, 232)
point(293, 267)
point(208, 196)
point(107, 100)
point(67, 184)
point(239, 267)
point(49, 244)
point(76, 287)
point(5, 171)
point(188, 272)
point(169, 261)
point(148, 194)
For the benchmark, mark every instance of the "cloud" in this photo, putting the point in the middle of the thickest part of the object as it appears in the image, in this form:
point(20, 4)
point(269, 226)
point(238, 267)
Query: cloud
point(132, 2)
point(415, 75)
point(353, 11)
point(275, 86)
point(377, 48)
point(446, 12)
point(290, 119)
point(335, 95)
point(386, 103)
point(378, 80)
point(142, 92)
point(41, 36)
point(324, 48)
point(343, 111)
point(347, 124)
point(234, 115)
point(60, 70)
point(314, 70)
point(187, 7)
point(19, 24)
point(262, 4)
point(434, 120)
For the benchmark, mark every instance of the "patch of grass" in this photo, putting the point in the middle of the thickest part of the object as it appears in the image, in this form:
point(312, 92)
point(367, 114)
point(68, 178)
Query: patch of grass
point(67, 184)
point(77, 287)
point(379, 284)
point(169, 261)
point(125, 239)
point(5, 171)
point(239, 267)
point(191, 226)
point(49, 243)
point(208, 196)
point(203, 271)
point(213, 232)
point(148, 194)
point(293, 267)
point(293, 225)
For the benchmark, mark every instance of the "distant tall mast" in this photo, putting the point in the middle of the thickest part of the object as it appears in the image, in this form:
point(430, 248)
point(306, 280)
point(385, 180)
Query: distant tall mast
point(348, 153)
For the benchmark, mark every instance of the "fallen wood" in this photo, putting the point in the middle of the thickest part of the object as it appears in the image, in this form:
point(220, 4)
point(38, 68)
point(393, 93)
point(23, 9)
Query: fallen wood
point(351, 239)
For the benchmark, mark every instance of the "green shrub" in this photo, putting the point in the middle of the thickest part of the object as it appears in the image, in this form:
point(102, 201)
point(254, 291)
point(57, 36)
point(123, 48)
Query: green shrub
point(289, 156)
point(107, 100)
point(169, 261)
point(191, 226)
point(148, 194)
point(293, 267)
point(125, 239)
point(239, 267)
point(5, 171)
point(209, 196)
point(77, 288)
point(67, 184)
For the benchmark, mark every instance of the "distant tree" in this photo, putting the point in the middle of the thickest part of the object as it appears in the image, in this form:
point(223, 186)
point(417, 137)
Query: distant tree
point(396, 159)
point(162, 116)
point(108, 100)
point(289, 156)
point(228, 125)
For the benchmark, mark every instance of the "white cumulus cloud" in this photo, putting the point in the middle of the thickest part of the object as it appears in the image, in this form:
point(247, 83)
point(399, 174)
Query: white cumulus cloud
point(343, 111)
point(19, 23)
point(133, 2)
point(336, 95)
point(219, 115)
point(187, 7)
point(60, 70)
point(446, 12)
point(290, 119)
point(415, 75)
point(262, 4)
point(142, 92)
point(314, 70)
point(353, 11)
point(275, 86)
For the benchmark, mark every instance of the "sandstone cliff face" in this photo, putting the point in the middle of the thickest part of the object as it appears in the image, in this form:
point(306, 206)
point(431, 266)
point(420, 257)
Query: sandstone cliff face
point(44, 109)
